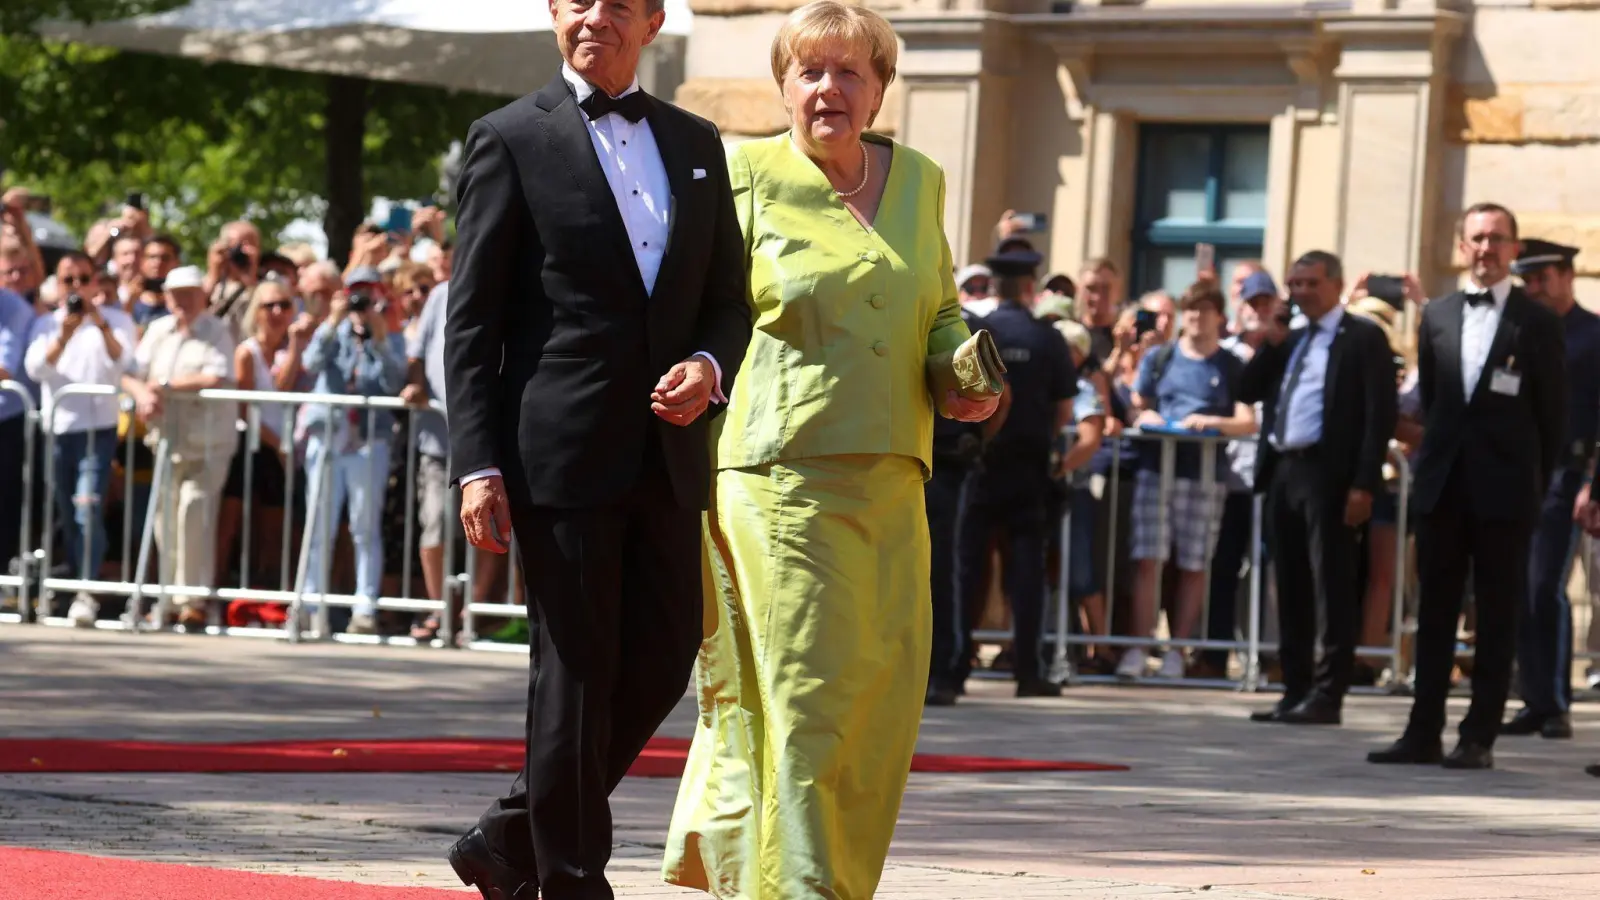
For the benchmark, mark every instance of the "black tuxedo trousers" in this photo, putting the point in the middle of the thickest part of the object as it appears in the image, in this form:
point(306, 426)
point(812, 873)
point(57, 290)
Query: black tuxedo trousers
point(616, 594)
point(1453, 540)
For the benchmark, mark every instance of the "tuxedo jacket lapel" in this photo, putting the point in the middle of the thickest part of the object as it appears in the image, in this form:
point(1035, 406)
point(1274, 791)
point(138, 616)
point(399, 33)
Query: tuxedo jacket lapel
point(675, 160)
point(568, 132)
point(1448, 346)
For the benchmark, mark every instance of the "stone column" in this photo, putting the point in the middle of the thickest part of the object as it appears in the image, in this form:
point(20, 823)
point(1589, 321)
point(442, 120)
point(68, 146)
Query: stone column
point(956, 72)
point(1391, 79)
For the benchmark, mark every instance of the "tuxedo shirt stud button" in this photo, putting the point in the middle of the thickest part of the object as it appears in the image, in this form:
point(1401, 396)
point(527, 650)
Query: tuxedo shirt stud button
point(876, 301)
point(870, 256)
point(880, 348)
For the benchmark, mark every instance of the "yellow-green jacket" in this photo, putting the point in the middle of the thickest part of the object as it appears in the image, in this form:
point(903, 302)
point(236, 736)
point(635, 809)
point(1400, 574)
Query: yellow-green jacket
point(845, 318)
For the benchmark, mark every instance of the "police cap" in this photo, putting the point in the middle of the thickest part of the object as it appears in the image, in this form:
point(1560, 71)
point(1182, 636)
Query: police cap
point(1537, 253)
point(1014, 263)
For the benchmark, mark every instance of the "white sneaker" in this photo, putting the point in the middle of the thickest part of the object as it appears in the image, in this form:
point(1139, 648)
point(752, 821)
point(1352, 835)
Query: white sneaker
point(1172, 664)
point(362, 623)
point(84, 611)
point(1134, 660)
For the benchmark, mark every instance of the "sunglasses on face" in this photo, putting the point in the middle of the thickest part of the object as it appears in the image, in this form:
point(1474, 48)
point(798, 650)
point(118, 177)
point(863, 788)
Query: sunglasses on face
point(76, 280)
point(278, 306)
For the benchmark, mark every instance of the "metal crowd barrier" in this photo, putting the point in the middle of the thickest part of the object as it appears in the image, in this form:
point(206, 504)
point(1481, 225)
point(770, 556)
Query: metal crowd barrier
point(1059, 634)
point(308, 613)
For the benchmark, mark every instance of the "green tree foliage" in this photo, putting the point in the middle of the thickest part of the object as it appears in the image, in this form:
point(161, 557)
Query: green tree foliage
point(21, 16)
point(206, 142)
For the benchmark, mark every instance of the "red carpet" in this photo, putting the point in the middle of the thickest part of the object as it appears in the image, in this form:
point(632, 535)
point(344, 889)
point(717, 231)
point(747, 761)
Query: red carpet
point(43, 875)
point(664, 758)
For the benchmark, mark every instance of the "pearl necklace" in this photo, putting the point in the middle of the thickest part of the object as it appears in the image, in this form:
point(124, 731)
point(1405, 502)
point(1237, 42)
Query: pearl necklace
point(866, 173)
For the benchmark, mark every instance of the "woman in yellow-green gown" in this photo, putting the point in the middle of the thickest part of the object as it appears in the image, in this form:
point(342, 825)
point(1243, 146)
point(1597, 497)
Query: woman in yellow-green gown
point(811, 680)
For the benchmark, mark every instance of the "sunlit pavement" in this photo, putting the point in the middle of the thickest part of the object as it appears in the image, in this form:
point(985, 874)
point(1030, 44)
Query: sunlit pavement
point(1214, 805)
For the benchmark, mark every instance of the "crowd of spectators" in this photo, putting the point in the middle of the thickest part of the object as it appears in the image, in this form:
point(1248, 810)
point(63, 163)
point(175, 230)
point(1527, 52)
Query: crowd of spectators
point(1160, 365)
point(111, 340)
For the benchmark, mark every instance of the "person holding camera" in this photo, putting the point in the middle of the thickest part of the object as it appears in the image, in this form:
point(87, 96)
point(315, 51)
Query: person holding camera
point(353, 352)
point(233, 267)
point(158, 257)
point(81, 343)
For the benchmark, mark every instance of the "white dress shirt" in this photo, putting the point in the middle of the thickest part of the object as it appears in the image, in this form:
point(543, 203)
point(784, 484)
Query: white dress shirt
point(83, 360)
point(1302, 410)
point(629, 156)
point(1478, 325)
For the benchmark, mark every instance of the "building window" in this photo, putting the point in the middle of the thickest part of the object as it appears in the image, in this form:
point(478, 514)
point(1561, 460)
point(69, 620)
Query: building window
point(1198, 184)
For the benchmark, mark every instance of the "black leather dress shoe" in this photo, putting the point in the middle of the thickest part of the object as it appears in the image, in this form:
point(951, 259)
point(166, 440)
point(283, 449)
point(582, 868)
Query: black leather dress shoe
point(1469, 755)
point(1316, 710)
point(1038, 687)
point(940, 695)
point(477, 866)
point(1408, 751)
point(1275, 714)
point(1557, 728)
point(1526, 721)
point(1592, 770)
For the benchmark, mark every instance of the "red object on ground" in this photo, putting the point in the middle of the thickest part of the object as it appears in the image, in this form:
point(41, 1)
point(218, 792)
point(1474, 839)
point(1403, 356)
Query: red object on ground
point(46, 875)
point(663, 758)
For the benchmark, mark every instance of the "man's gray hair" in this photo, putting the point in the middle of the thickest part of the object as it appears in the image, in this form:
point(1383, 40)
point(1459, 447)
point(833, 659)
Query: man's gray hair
point(328, 269)
point(1332, 268)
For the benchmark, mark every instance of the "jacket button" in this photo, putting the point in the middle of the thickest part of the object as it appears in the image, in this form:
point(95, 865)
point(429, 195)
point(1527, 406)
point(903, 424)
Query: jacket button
point(880, 348)
point(870, 256)
point(877, 301)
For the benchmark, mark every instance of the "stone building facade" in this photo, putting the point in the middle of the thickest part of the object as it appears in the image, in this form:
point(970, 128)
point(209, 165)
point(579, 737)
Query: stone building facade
point(1265, 128)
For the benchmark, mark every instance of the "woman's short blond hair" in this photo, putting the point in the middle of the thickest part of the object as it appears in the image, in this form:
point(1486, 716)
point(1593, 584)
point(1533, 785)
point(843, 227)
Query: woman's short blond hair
point(829, 22)
point(262, 293)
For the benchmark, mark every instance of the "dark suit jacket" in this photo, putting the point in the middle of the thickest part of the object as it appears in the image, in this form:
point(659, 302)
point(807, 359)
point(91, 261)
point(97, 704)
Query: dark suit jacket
point(1507, 446)
point(1358, 405)
point(552, 345)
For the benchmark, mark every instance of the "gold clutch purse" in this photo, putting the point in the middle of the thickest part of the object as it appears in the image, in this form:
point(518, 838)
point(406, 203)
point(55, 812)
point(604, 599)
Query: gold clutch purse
point(973, 370)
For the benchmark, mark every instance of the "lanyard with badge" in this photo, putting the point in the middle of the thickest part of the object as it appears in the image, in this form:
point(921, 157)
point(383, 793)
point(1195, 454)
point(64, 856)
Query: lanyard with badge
point(1506, 380)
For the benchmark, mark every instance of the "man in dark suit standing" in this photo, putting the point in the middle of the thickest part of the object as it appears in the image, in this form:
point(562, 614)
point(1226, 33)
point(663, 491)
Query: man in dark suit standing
point(1329, 401)
point(597, 311)
point(1491, 368)
point(1544, 640)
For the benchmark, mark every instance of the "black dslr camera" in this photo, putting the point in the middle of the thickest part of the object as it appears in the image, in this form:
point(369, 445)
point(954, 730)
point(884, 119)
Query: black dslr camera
point(74, 304)
point(360, 301)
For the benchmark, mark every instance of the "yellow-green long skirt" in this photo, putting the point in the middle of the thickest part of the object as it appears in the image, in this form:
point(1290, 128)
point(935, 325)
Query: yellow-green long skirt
point(811, 688)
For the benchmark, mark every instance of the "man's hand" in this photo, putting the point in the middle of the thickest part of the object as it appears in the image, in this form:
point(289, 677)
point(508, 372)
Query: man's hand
point(69, 326)
point(1357, 508)
point(1413, 290)
point(1149, 418)
point(963, 410)
point(1198, 422)
point(1586, 513)
point(414, 395)
point(685, 391)
point(485, 514)
point(148, 399)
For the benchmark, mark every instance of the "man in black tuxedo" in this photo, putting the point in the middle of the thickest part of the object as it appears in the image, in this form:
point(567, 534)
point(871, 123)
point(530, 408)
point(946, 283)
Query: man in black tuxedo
point(597, 311)
point(1491, 368)
point(1329, 406)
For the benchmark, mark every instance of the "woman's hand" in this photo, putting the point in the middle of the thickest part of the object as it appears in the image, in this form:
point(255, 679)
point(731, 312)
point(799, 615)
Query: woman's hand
point(963, 410)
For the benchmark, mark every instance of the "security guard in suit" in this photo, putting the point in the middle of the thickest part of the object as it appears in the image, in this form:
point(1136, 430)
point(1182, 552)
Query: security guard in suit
point(1544, 642)
point(957, 449)
point(1010, 487)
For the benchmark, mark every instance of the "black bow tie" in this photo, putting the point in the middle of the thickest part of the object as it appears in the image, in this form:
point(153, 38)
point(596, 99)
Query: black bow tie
point(1480, 298)
point(632, 107)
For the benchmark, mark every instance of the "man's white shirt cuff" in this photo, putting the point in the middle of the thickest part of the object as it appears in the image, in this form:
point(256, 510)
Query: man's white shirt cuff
point(717, 396)
point(490, 472)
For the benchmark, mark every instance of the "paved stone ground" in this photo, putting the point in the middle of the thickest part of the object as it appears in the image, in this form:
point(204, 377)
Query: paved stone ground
point(1214, 806)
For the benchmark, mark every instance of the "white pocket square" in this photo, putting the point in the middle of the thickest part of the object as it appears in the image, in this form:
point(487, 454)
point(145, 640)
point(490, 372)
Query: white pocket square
point(699, 174)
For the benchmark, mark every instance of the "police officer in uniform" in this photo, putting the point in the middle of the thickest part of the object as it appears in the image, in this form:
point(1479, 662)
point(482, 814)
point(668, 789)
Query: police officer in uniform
point(957, 449)
point(1544, 645)
point(1010, 487)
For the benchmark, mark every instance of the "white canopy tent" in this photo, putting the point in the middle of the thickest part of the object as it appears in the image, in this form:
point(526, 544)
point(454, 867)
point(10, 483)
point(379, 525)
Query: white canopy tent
point(492, 46)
